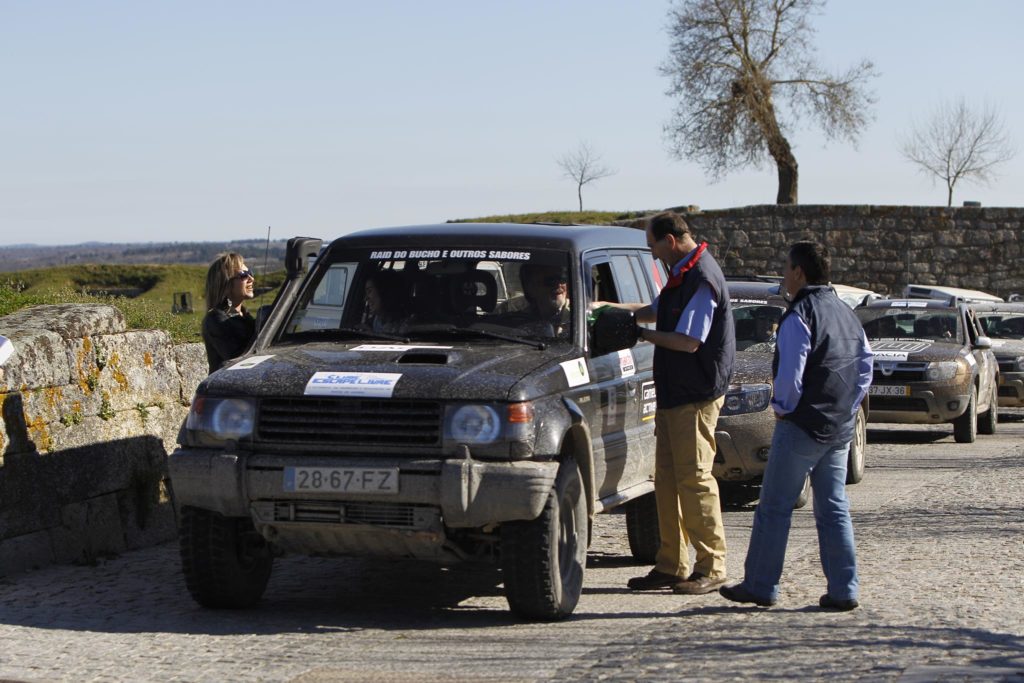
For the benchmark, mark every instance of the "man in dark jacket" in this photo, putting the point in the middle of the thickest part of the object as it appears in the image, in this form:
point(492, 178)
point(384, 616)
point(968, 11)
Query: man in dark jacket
point(695, 345)
point(822, 371)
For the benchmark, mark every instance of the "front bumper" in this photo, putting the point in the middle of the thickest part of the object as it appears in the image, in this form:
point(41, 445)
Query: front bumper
point(923, 403)
point(434, 495)
point(742, 445)
point(1011, 389)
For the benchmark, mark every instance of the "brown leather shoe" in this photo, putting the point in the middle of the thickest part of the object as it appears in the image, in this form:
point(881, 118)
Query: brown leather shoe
point(654, 580)
point(698, 584)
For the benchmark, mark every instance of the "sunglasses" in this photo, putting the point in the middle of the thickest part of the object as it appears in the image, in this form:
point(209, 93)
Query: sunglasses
point(245, 274)
point(553, 280)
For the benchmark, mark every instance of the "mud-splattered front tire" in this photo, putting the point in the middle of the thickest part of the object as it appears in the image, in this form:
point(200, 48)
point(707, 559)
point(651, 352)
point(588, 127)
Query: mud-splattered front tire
point(225, 562)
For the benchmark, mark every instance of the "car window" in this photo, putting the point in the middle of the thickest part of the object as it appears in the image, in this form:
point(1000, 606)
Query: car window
point(936, 324)
point(431, 293)
point(756, 326)
point(999, 325)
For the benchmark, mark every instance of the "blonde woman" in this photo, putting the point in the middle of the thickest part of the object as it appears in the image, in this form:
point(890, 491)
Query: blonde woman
point(228, 328)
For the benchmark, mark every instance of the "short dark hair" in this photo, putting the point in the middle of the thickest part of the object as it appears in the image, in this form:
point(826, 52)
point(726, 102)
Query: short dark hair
point(814, 260)
point(668, 222)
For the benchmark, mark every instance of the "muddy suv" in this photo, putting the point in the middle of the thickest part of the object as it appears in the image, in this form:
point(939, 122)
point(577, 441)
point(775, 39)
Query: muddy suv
point(484, 418)
point(933, 364)
point(1003, 323)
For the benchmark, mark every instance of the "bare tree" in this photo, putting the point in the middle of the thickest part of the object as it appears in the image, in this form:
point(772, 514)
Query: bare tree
point(582, 166)
point(735, 66)
point(959, 143)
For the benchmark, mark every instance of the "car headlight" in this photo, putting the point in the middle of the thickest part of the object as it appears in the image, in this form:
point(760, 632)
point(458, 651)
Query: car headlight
point(1019, 364)
point(492, 429)
point(941, 370)
point(746, 398)
point(475, 424)
point(222, 418)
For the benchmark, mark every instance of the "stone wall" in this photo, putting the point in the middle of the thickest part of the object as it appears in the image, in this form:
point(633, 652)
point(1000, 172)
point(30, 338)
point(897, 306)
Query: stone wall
point(877, 247)
point(90, 411)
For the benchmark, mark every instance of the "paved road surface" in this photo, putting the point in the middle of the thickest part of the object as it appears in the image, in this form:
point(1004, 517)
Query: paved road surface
point(940, 533)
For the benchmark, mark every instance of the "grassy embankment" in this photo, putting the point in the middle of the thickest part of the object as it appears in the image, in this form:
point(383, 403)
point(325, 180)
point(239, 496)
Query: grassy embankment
point(144, 294)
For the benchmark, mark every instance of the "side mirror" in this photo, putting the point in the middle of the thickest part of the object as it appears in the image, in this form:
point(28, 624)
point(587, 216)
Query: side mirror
point(983, 343)
point(613, 329)
point(297, 255)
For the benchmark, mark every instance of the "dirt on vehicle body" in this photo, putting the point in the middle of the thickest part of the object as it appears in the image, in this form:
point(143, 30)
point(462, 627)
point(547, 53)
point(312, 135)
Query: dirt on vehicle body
point(486, 422)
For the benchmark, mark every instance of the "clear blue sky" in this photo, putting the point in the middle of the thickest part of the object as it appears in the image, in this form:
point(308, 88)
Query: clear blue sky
point(171, 121)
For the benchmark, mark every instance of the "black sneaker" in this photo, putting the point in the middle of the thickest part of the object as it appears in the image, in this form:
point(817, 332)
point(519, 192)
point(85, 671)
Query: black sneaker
point(828, 602)
point(654, 580)
point(737, 593)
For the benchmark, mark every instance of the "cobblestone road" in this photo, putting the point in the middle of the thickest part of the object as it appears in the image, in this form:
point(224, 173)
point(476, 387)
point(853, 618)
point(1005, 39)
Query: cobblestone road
point(940, 534)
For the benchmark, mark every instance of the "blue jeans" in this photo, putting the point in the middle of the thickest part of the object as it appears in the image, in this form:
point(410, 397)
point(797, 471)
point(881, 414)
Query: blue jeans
point(794, 455)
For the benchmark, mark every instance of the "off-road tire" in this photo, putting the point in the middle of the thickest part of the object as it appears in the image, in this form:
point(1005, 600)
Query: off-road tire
point(965, 427)
point(805, 495)
point(642, 528)
point(858, 445)
point(988, 420)
point(225, 562)
point(543, 560)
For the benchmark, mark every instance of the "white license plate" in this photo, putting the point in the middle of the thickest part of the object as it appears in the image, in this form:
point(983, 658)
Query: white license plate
point(888, 390)
point(341, 479)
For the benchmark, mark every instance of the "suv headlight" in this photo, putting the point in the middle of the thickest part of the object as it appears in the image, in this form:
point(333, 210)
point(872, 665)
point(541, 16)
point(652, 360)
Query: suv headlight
point(1019, 364)
point(221, 419)
point(747, 398)
point(941, 370)
point(491, 429)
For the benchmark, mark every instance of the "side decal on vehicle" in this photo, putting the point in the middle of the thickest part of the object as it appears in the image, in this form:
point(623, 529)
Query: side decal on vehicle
point(648, 401)
point(626, 365)
point(576, 372)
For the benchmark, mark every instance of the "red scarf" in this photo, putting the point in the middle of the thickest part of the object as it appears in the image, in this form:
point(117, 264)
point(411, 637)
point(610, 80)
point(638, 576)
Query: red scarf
point(677, 278)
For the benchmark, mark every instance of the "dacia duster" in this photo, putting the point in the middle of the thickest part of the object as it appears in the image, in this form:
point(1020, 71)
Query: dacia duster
point(933, 365)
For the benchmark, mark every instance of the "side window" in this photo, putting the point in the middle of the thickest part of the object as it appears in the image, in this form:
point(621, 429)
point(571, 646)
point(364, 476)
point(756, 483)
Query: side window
point(602, 284)
point(625, 280)
point(333, 287)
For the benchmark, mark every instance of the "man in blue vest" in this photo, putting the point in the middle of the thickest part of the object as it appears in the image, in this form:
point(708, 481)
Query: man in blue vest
point(695, 344)
point(822, 371)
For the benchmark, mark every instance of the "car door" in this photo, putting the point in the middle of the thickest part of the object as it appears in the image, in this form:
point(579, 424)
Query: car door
point(988, 369)
point(618, 381)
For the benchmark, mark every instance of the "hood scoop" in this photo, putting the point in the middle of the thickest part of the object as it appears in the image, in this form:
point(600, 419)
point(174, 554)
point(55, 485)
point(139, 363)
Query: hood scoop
point(421, 357)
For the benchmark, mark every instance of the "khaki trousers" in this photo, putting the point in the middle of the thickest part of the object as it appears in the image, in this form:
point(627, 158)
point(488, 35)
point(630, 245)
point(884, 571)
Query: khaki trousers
point(689, 510)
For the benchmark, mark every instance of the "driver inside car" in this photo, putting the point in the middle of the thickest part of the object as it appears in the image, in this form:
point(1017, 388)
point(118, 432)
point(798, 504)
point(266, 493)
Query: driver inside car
point(546, 289)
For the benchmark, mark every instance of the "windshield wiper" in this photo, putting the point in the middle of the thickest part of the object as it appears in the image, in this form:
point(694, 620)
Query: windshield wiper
point(455, 329)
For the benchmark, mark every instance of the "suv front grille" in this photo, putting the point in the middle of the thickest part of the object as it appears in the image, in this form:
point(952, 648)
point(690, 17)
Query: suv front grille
point(909, 405)
point(1009, 365)
point(395, 515)
point(355, 422)
point(900, 372)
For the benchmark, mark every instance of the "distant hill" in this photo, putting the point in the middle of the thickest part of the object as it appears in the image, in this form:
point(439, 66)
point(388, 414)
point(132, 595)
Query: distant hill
point(28, 256)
